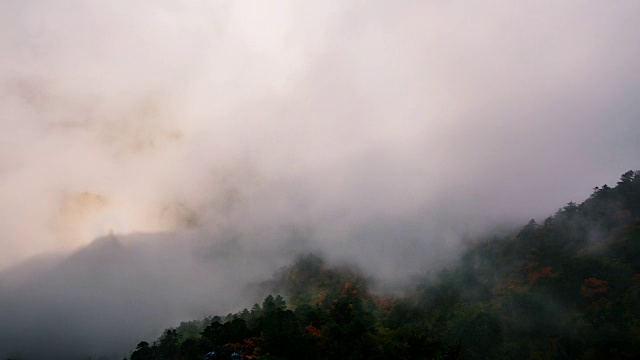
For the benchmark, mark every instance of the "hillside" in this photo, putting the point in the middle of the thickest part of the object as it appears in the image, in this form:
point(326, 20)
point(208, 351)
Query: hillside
point(568, 288)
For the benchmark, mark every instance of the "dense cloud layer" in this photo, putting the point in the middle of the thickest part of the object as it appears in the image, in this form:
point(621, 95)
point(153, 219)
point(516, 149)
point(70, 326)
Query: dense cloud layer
point(379, 132)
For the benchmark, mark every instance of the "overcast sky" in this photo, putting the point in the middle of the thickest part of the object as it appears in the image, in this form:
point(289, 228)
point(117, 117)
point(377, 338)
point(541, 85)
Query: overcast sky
point(357, 121)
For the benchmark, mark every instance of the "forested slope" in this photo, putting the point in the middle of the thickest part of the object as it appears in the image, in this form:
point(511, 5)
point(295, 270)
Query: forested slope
point(568, 288)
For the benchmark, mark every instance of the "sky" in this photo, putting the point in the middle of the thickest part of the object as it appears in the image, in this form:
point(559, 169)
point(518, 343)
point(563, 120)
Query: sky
point(342, 118)
point(242, 132)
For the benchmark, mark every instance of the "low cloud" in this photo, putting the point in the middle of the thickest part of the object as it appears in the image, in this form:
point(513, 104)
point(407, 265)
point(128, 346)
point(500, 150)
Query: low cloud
point(377, 133)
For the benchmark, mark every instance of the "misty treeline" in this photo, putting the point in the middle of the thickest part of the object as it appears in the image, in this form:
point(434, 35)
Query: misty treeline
point(568, 288)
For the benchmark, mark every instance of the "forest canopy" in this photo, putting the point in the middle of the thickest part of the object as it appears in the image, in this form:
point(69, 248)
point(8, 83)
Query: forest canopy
point(568, 288)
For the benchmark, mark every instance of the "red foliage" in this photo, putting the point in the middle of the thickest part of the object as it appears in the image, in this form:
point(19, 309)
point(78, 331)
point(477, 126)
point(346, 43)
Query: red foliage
point(540, 273)
point(592, 287)
point(312, 330)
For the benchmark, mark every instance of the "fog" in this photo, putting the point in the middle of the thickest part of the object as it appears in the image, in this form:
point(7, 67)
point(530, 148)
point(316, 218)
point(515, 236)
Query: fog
point(214, 141)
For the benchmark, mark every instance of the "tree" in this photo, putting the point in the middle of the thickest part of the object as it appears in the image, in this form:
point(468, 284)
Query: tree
point(169, 344)
point(142, 352)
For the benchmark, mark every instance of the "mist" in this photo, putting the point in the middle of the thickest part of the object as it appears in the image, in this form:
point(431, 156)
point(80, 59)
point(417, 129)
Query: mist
point(215, 141)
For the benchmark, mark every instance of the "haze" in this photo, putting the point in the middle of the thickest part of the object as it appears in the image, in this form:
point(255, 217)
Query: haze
point(375, 132)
